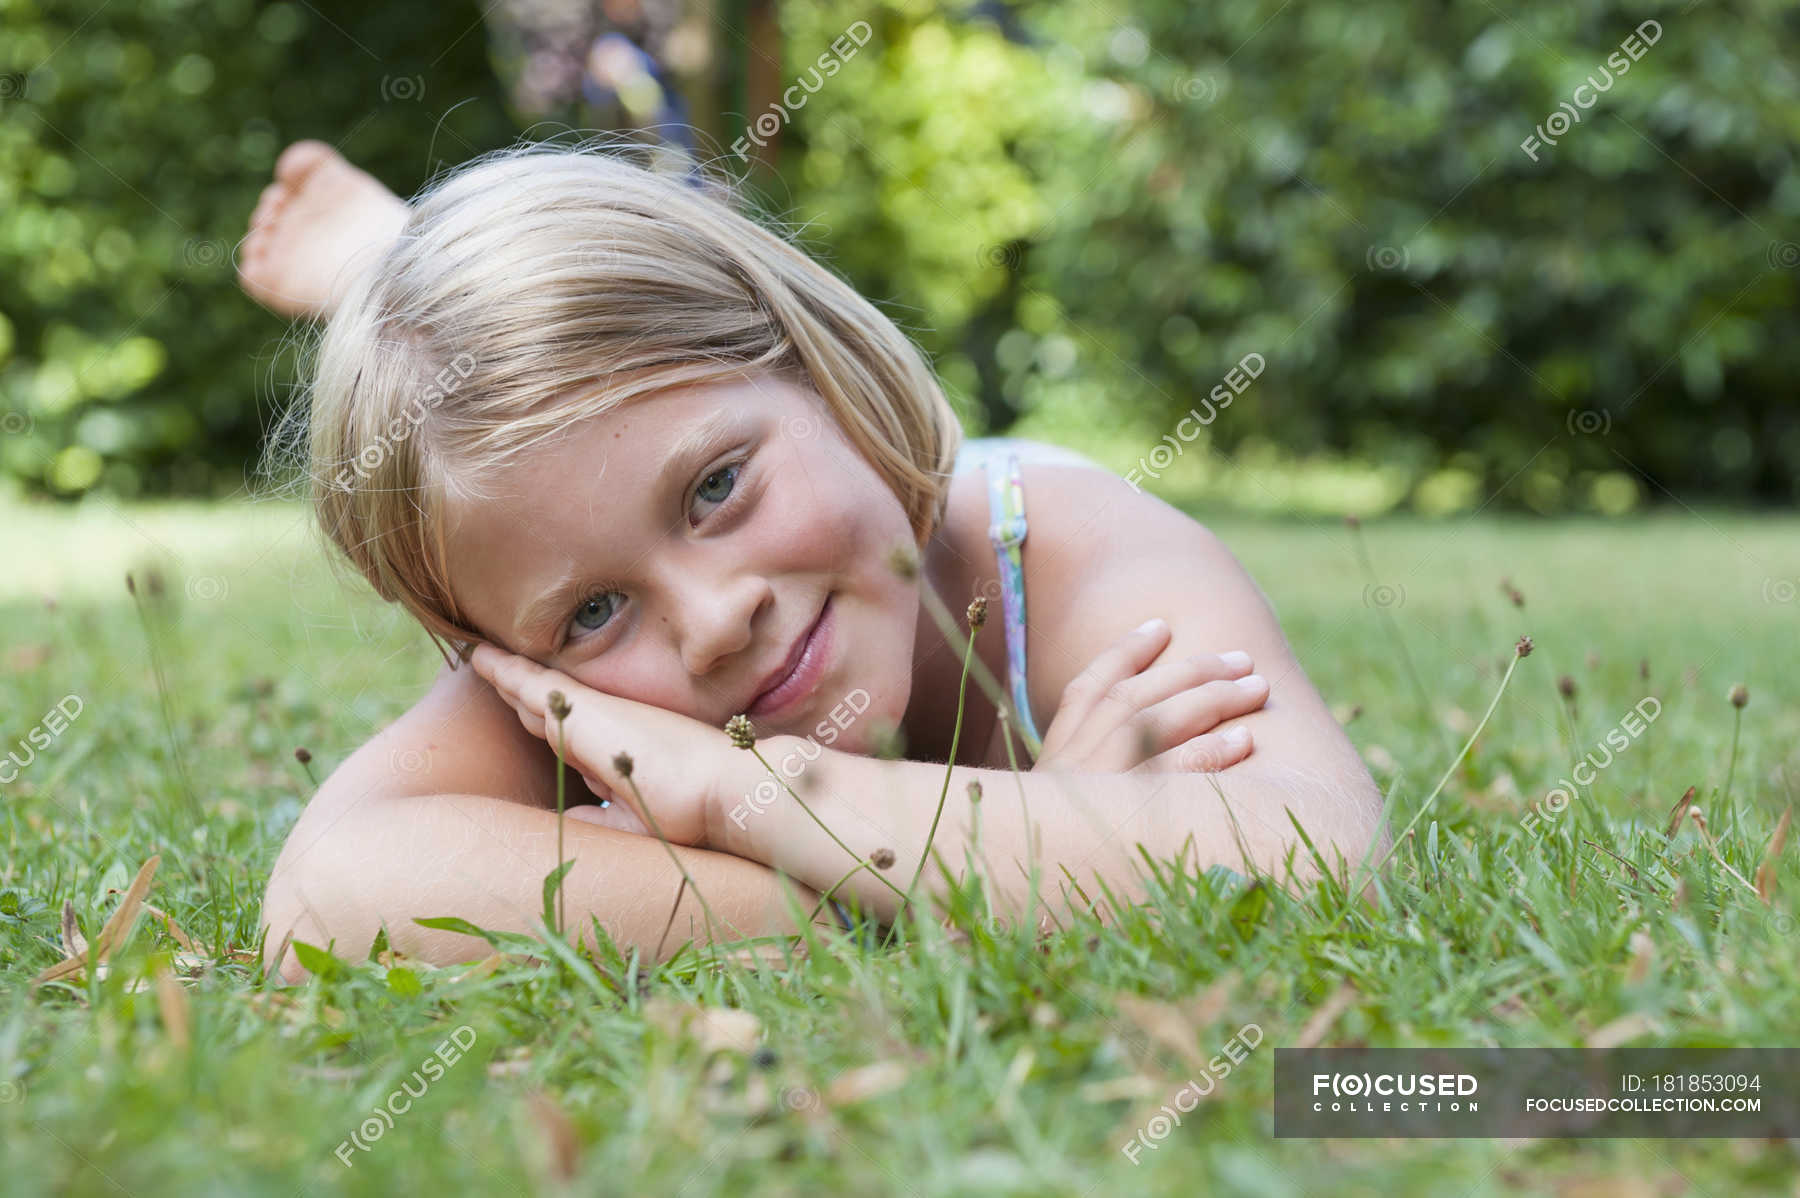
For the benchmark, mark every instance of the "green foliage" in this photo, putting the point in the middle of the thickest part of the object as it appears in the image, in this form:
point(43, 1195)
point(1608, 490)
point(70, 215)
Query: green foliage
point(1112, 217)
point(134, 140)
point(1086, 215)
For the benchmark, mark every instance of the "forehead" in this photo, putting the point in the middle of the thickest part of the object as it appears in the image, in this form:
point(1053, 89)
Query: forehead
point(601, 462)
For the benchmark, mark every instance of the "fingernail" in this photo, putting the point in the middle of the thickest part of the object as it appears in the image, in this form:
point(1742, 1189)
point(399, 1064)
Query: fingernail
point(1237, 659)
point(1154, 624)
point(1251, 682)
point(1237, 738)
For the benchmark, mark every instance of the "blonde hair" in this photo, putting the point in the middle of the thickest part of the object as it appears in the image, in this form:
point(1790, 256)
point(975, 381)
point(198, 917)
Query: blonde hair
point(536, 286)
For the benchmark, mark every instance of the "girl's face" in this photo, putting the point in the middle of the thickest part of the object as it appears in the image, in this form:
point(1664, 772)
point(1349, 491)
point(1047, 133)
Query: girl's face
point(710, 550)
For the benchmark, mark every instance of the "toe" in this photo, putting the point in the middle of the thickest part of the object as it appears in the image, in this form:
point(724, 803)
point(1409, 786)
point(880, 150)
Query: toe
point(268, 205)
point(301, 159)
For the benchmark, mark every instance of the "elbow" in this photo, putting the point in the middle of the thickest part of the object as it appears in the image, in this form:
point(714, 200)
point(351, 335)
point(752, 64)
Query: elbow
point(284, 921)
point(1348, 829)
point(1337, 812)
point(309, 899)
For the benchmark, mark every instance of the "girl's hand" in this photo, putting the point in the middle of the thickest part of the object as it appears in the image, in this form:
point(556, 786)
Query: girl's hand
point(678, 764)
point(1123, 714)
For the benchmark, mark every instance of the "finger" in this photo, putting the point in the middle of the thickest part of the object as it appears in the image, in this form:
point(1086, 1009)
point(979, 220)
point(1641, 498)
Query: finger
point(1166, 680)
point(485, 659)
point(603, 794)
point(1207, 753)
point(1125, 699)
point(531, 723)
point(1190, 713)
point(526, 684)
point(517, 678)
point(1206, 706)
point(617, 816)
point(1125, 657)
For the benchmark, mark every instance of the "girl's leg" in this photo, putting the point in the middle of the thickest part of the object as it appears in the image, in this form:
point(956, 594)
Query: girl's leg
point(315, 224)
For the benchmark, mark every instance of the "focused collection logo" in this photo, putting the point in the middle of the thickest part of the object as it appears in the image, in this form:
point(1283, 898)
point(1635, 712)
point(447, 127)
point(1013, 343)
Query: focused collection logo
point(1401, 1092)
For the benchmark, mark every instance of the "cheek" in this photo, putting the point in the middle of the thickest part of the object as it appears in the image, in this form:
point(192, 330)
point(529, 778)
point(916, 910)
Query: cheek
point(825, 521)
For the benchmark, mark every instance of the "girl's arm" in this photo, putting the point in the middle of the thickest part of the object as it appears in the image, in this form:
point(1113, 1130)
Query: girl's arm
point(451, 811)
point(1089, 825)
point(390, 860)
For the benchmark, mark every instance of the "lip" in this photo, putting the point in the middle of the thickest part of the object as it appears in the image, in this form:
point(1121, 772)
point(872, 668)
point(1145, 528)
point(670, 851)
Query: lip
point(806, 664)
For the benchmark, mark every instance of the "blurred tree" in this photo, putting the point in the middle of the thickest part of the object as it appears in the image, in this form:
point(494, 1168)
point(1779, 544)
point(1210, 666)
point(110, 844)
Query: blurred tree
point(1160, 188)
point(1087, 213)
point(134, 139)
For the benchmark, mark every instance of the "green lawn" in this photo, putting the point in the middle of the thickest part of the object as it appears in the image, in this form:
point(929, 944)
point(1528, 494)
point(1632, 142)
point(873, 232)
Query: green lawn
point(967, 1062)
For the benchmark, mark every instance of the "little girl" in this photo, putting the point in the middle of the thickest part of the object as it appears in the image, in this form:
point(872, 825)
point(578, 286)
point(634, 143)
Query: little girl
point(624, 449)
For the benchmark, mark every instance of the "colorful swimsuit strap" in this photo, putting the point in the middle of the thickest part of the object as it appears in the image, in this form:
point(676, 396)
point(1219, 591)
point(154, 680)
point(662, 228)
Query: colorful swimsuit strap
point(1006, 512)
point(1006, 509)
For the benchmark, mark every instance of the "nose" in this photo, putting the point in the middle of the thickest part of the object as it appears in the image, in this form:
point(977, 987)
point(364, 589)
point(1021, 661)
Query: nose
point(715, 617)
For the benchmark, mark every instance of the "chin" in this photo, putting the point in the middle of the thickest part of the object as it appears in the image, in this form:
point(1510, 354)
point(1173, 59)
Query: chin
point(886, 711)
point(858, 721)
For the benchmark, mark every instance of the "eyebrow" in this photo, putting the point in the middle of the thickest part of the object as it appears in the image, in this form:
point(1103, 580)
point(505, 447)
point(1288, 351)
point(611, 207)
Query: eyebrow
point(556, 600)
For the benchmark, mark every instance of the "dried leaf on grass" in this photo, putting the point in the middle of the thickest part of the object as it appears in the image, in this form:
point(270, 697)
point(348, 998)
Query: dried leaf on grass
point(866, 1082)
point(1679, 813)
point(295, 1015)
point(1316, 1027)
point(482, 968)
point(175, 932)
point(271, 1002)
point(1510, 1009)
point(1765, 873)
point(1131, 1086)
point(1622, 1030)
point(74, 943)
point(560, 1137)
point(22, 659)
point(514, 1062)
point(117, 931)
point(766, 956)
point(716, 1028)
point(1177, 1027)
point(1608, 1186)
point(388, 958)
point(172, 1002)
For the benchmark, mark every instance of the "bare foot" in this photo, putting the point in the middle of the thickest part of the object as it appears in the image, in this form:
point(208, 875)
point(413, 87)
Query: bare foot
point(314, 225)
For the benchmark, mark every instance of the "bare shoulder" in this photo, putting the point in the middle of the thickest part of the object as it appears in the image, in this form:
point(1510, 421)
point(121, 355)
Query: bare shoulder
point(1103, 556)
point(1075, 510)
point(1071, 504)
point(458, 738)
point(1100, 557)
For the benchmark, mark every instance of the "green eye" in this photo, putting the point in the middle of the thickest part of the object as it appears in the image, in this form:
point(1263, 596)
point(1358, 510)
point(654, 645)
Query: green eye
point(716, 487)
point(595, 611)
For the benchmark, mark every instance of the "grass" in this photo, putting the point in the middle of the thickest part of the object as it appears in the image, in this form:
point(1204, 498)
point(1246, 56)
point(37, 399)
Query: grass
point(964, 1059)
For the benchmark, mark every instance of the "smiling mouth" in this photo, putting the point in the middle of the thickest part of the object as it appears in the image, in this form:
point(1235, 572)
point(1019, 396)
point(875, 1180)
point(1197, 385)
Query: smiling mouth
point(806, 664)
